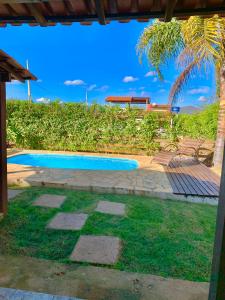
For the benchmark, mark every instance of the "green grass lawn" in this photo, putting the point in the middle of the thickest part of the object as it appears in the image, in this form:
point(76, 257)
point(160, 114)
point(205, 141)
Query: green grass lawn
point(167, 238)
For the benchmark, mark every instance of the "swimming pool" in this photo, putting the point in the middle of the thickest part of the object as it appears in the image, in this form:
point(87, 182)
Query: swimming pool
point(74, 162)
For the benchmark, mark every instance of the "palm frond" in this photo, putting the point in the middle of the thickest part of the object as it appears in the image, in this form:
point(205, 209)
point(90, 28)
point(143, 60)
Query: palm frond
point(205, 37)
point(159, 42)
point(198, 42)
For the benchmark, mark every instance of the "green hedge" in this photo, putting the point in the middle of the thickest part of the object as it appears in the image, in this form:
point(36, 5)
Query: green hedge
point(198, 125)
point(74, 127)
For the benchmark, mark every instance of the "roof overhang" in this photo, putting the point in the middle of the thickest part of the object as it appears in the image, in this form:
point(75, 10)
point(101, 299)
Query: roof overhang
point(9, 66)
point(51, 12)
point(128, 99)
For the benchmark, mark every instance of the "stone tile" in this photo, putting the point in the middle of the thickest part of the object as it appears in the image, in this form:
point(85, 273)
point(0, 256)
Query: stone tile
point(68, 221)
point(13, 193)
point(97, 249)
point(113, 208)
point(48, 200)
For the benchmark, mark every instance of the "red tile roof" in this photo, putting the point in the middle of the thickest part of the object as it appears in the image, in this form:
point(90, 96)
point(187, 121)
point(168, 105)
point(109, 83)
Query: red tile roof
point(50, 12)
point(127, 99)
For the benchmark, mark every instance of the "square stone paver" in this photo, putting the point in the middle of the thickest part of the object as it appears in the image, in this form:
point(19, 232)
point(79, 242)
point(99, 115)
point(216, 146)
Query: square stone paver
point(113, 208)
point(68, 221)
point(13, 193)
point(48, 200)
point(97, 249)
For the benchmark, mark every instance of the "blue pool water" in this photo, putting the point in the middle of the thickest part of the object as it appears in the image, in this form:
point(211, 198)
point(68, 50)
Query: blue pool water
point(74, 162)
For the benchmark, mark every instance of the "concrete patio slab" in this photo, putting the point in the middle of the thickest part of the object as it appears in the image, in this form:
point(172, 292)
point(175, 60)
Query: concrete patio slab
point(94, 283)
point(13, 193)
point(14, 294)
point(112, 208)
point(68, 221)
point(97, 249)
point(47, 200)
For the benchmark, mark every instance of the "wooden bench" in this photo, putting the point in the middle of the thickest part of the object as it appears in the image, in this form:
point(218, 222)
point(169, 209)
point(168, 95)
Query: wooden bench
point(186, 146)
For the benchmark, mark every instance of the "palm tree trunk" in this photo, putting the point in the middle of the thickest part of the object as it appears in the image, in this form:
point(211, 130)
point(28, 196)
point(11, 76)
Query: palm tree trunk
point(220, 138)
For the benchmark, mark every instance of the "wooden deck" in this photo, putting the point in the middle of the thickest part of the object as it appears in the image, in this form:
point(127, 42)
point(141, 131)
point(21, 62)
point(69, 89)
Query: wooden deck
point(189, 177)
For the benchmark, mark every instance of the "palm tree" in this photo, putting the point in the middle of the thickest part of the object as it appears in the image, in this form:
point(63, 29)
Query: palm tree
point(196, 43)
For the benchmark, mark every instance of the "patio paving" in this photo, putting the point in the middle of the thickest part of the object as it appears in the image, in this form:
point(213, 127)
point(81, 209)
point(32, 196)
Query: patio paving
point(68, 221)
point(47, 200)
point(149, 179)
point(97, 249)
point(112, 208)
point(14, 294)
point(13, 193)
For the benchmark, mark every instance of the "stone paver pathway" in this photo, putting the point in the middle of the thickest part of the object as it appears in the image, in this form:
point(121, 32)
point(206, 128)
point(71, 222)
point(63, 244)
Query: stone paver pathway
point(97, 249)
point(68, 221)
point(47, 200)
point(13, 193)
point(113, 208)
point(13, 294)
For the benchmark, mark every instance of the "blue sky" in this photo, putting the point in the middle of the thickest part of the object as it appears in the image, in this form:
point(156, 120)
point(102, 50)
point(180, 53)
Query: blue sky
point(70, 59)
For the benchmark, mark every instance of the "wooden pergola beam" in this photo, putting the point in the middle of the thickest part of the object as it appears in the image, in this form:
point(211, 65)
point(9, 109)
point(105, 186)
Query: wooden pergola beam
point(10, 9)
point(22, 1)
point(69, 6)
point(39, 17)
point(15, 73)
point(170, 5)
point(9, 69)
point(99, 5)
point(4, 77)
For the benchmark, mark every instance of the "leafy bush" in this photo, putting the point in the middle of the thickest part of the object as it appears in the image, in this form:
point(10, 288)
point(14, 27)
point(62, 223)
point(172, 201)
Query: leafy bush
point(74, 127)
point(199, 125)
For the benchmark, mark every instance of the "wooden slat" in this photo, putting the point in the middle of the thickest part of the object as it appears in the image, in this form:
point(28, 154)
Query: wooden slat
point(189, 182)
point(192, 178)
point(205, 182)
point(99, 5)
point(169, 10)
point(186, 182)
point(37, 14)
point(200, 181)
point(175, 182)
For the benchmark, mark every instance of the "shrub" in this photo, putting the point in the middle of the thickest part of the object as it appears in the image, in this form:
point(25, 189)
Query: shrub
point(73, 127)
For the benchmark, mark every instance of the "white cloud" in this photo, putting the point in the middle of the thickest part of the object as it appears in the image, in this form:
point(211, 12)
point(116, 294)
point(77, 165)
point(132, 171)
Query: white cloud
point(129, 79)
point(141, 88)
point(202, 99)
point(132, 89)
point(162, 90)
point(92, 87)
point(132, 93)
point(15, 82)
point(150, 74)
point(39, 80)
point(155, 79)
point(74, 82)
point(43, 100)
point(200, 90)
point(103, 88)
point(144, 94)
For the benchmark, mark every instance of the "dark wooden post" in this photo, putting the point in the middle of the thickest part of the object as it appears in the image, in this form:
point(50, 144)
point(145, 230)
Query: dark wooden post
point(3, 155)
point(217, 284)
